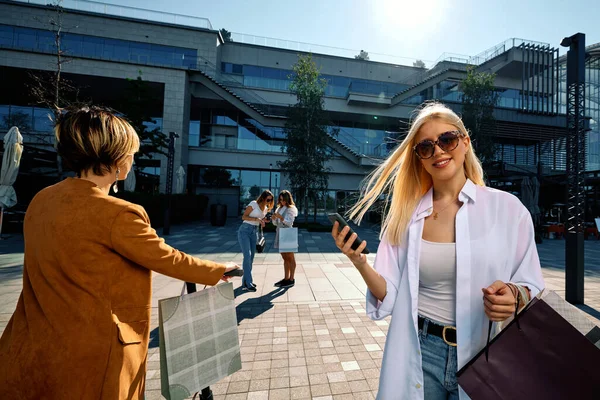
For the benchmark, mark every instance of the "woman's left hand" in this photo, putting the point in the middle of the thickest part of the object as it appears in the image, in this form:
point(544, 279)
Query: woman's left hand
point(498, 301)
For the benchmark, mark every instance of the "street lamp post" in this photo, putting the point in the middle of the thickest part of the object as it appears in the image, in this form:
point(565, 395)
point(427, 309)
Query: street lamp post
point(270, 170)
point(576, 128)
point(169, 188)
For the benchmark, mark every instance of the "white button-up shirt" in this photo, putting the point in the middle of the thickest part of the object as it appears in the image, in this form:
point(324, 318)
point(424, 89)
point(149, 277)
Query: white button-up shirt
point(494, 241)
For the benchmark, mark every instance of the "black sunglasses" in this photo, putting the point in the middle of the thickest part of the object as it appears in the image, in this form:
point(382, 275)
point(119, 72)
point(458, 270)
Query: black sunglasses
point(447, 141)
point(270, 199)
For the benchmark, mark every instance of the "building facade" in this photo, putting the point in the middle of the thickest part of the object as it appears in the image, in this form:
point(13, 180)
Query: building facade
point(227, 99)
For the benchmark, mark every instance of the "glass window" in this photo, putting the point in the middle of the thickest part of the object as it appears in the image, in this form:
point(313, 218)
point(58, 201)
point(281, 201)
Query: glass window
point(4, 117)
point(250, 178)
point(250, 70)
point(25, 38)
point(6, 35)
point(46, 41)
point(42, 121)
point(72, 44)
point(194, 135)
point(237, 69)
point(140, 52)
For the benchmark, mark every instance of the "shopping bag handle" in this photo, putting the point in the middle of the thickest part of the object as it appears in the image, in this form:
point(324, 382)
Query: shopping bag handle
point(185, 285)
point(487, 344)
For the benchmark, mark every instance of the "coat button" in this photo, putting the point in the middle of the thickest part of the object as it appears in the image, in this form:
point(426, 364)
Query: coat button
point(418, 386)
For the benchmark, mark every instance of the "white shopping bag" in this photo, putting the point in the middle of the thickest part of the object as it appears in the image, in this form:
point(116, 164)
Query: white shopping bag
point(288, 240)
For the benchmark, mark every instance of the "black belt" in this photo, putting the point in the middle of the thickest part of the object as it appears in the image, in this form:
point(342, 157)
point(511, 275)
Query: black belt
point(448, 333)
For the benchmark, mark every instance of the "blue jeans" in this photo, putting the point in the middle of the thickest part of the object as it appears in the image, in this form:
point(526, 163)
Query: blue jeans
point(439, 366)
point(247, 238)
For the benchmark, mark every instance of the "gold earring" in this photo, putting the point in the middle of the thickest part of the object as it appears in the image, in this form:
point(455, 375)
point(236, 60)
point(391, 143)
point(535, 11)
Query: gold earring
point(115, 186)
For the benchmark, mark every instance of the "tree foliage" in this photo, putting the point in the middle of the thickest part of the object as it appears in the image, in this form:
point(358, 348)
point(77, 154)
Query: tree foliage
point(307, 144)
point(419, 64)
point(363, 55)
point(479, 100)
point(136, 104)
point(226, 35)
point(217, 177)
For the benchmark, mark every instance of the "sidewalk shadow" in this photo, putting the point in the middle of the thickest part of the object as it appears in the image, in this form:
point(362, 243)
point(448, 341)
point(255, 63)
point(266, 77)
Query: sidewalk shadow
point(253, 307)
point(248, 309)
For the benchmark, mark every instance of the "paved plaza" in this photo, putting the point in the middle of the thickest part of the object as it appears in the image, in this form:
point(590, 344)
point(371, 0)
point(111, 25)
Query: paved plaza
point(311, 341)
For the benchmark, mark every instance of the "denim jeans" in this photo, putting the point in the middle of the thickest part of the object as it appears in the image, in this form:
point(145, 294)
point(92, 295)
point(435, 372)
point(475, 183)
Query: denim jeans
point(247, 238)
point(439, 366)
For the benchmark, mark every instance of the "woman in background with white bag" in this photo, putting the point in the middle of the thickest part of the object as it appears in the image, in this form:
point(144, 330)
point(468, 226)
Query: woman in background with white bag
point(283, 218)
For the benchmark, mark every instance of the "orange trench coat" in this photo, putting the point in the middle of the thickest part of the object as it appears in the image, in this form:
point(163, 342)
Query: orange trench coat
point(81, 326)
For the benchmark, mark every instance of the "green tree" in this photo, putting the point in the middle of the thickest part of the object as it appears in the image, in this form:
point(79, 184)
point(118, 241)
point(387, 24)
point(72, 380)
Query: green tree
point(226, 35)
point(479, 100)
point(136, 104)
point(307, 144)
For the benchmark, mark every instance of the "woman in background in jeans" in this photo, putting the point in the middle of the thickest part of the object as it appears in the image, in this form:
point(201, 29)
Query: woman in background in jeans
point(284, 217)
point(253, 217)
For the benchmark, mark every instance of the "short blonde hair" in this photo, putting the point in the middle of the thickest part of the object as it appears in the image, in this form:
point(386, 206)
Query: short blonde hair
point(403, 177)
point(94, 138)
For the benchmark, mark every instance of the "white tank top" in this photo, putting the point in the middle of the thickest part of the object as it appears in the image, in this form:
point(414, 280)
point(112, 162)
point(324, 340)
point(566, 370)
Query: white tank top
point(437, 282)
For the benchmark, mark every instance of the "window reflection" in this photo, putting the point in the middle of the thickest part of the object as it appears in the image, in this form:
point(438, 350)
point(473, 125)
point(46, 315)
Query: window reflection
point(97, 47)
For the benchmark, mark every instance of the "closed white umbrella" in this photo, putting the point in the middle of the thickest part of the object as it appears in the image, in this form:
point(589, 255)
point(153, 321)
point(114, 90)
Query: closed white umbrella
point(180, 182)
point(13, 149)
point(129, 184)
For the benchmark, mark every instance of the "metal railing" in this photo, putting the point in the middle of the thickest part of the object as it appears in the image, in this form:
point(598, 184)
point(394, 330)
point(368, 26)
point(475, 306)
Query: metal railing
point(244, 38)
point(128, 12)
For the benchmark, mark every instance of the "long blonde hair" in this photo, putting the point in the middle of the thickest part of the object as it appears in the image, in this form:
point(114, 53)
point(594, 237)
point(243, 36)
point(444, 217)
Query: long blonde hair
point(403, 175)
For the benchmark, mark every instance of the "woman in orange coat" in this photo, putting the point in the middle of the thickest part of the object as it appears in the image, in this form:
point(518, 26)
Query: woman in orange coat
point(81, 326)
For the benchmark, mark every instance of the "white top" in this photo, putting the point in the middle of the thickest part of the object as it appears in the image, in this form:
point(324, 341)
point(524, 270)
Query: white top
point(437, 282)
point(256, 213)
point(289, 214)
point(494, 241)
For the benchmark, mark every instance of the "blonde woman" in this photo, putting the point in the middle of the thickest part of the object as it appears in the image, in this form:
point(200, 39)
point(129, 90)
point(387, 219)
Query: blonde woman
point(454, 255)
point(283, 218)
point(253, 217)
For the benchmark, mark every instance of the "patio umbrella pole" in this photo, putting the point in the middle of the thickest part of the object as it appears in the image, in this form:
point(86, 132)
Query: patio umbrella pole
point(1, 220)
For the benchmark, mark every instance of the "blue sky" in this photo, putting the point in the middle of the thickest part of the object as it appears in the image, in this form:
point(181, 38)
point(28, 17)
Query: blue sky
point(422, 29)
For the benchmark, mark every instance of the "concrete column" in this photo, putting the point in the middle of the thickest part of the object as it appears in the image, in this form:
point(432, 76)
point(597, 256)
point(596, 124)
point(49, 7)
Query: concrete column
point(176, 118)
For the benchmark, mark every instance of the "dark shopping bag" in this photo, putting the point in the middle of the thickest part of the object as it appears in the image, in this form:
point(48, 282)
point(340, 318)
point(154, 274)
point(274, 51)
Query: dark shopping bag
point(539, 355)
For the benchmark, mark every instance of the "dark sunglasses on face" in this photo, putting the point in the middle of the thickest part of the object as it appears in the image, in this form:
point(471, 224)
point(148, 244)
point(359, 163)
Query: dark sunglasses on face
point(270, 199)
point(447, 141)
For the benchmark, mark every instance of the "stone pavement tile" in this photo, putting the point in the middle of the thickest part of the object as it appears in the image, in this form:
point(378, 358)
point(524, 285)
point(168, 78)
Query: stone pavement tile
point(219, 388)
point(318, 379)
point(262, 395)
point(260, 384)
point(238, 387)
point(333, 377)
point(280, 394)
point(339, 388)
point(237, 396)
point(278, 383)
point(363, 396)
point(320, 390)
point(300, 392)
point(345, 396)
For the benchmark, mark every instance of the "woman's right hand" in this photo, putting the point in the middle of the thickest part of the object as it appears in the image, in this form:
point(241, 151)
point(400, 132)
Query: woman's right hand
point(229, 266)
point(356, 256)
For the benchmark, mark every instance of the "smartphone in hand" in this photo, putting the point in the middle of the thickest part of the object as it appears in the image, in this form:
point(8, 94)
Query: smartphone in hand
point(337, 217)
point(235, 272)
